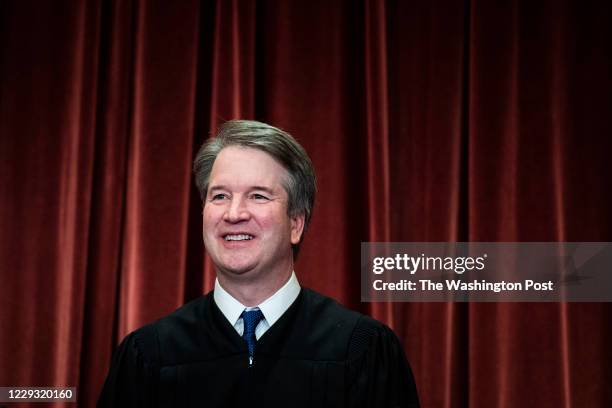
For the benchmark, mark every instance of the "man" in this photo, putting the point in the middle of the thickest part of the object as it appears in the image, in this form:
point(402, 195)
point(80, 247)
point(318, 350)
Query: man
point(258, 339)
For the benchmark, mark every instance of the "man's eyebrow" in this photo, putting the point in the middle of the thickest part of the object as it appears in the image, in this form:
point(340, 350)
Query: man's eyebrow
point(252, 188)
point(213, 188)
point(262, 188)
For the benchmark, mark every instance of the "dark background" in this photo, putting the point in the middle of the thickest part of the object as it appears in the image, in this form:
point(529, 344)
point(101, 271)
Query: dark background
point(426, 121)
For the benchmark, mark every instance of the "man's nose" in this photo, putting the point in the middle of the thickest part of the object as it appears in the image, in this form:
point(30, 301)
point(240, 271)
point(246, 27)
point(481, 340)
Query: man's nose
point(237, 210)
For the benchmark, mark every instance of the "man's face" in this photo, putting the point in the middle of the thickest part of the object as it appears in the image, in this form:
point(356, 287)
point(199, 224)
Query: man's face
point(247, 231)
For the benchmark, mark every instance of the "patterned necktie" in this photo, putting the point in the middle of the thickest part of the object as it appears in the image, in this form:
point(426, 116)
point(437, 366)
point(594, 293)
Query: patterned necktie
point(251, 319)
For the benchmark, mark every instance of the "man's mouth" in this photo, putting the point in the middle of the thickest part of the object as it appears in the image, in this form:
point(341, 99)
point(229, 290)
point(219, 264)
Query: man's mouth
point(238, 237)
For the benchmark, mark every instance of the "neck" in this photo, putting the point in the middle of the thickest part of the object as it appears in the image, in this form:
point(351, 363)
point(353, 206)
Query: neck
point(253, 292)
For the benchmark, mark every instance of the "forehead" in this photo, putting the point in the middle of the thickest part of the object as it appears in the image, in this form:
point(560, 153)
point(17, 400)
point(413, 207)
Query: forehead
point(246, 167)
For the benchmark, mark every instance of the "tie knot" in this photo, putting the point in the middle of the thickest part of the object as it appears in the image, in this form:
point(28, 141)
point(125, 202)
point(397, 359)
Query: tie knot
point(251, 319)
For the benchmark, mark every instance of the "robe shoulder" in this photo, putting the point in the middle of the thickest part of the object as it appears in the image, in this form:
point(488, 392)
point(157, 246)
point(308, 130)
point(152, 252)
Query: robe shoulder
point(133, 371)
point(376, 368)
point(378, 372)
point(135, 365)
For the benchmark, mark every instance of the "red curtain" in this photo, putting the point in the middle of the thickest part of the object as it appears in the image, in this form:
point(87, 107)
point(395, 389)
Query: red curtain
point(426, 121)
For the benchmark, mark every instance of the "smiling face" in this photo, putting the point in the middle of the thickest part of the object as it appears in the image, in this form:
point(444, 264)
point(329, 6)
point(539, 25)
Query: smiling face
point(246, 229)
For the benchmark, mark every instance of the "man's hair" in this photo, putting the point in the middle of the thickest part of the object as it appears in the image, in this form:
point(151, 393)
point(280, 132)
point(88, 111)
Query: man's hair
point(301, 183)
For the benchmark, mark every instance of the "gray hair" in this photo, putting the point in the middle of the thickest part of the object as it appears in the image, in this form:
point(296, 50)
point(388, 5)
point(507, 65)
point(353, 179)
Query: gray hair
point(301, 183)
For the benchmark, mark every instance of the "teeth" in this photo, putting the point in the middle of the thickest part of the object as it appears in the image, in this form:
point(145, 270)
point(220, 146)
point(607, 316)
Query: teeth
point(239, 237)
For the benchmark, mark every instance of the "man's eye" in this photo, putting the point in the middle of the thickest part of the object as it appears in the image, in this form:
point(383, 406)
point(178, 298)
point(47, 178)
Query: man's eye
point(259, 197)
point(218, 197)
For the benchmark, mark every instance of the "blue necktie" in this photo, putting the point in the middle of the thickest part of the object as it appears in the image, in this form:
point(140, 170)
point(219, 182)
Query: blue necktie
point(251, 319)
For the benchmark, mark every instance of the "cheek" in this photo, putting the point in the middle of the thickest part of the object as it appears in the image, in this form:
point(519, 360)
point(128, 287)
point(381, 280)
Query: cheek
point(210, 216)
point(275, 222)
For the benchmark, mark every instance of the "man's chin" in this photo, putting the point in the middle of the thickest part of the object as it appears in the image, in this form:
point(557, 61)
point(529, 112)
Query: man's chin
point(237, 269)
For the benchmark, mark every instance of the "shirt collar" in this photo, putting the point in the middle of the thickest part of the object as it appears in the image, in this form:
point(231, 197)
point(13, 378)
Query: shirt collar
point(272, 308)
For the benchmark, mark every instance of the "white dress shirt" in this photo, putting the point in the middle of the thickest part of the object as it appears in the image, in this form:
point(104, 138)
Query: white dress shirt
point(272, 308)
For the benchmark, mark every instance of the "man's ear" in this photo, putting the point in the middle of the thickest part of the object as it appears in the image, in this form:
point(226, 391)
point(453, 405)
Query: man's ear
point(297, 228)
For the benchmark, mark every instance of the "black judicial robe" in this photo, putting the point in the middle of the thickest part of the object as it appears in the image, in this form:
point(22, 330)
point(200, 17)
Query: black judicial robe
point(318, 354)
